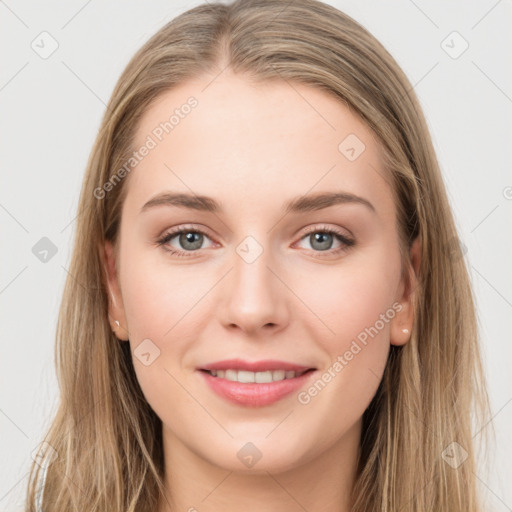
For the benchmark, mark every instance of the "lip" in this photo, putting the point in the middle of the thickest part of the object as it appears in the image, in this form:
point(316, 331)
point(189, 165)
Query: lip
point(256, 366)
point(254, 394)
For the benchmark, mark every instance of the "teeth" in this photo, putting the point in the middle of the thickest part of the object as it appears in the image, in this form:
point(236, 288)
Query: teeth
point(263, 377)
point(231, 375)
point(245, 376)
point(279, 375)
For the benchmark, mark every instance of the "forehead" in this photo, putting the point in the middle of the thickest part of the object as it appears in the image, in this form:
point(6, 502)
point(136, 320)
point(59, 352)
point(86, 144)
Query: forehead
point(258, 142)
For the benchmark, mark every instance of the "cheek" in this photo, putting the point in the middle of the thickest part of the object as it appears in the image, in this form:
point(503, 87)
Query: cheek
point(165, 311)
point(354, 305)
point(157, 297)
point(348, 299)
point(159, 303)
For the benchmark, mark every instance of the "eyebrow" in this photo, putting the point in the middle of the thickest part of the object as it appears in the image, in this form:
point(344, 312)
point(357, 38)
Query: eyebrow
point(300, 204)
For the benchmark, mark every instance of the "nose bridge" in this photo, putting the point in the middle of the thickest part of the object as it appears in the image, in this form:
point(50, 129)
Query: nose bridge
point(254, 297)
point(251, 276)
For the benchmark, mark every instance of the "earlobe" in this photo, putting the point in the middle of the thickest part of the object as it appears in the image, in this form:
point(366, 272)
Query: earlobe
point(116, 312)
point(402, 324)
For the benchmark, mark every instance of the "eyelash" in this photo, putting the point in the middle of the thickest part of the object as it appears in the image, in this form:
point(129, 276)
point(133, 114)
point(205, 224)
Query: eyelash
point(347, 242)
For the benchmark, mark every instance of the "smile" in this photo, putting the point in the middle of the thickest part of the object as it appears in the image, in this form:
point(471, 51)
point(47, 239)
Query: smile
point(254, 384)
point(246, 376)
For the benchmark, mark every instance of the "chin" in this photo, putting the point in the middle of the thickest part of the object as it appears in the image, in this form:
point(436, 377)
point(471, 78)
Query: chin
point(249, 457)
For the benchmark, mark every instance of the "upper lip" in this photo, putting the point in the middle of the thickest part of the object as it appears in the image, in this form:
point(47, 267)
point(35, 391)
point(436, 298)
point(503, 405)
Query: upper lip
point(255, 366)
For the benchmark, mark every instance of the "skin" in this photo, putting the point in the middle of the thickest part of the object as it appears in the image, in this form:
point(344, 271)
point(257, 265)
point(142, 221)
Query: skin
point(252, 147)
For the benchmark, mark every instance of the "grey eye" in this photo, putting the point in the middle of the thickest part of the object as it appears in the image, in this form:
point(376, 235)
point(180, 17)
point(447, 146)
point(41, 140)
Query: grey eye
point(321, 241)
point(191, 240)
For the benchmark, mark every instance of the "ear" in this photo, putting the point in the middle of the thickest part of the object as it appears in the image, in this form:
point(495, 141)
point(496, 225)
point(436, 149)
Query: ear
point(116, 313)
point(404, 319)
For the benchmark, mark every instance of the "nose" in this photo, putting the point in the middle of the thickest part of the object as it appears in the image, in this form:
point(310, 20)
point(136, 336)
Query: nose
point(253, 298)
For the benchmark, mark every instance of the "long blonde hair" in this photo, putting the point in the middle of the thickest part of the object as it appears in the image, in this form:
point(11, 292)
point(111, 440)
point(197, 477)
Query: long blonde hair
point(104, 446)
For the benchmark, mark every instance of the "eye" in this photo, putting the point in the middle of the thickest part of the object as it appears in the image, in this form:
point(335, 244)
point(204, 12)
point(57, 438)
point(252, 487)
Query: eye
point(191, 239)
point(322, 238)
point(188, 239)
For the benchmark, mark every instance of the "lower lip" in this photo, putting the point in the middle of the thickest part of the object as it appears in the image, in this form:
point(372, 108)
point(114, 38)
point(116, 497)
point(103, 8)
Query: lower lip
point(254, 394)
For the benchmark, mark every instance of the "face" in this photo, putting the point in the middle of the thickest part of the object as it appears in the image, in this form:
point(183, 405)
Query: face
point(260, 227)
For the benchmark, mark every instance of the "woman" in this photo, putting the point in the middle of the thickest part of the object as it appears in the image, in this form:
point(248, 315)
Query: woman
point(266, 306)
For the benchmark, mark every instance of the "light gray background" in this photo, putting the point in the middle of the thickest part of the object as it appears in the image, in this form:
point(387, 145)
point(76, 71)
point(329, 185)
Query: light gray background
point(51, 109)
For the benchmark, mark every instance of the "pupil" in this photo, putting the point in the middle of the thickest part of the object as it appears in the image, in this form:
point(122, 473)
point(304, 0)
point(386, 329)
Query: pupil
point(194, 239)
point(324, 240)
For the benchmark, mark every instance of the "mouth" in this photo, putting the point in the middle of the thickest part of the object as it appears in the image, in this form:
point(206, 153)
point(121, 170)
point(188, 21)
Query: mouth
point(255, 384)
point(262, 377)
